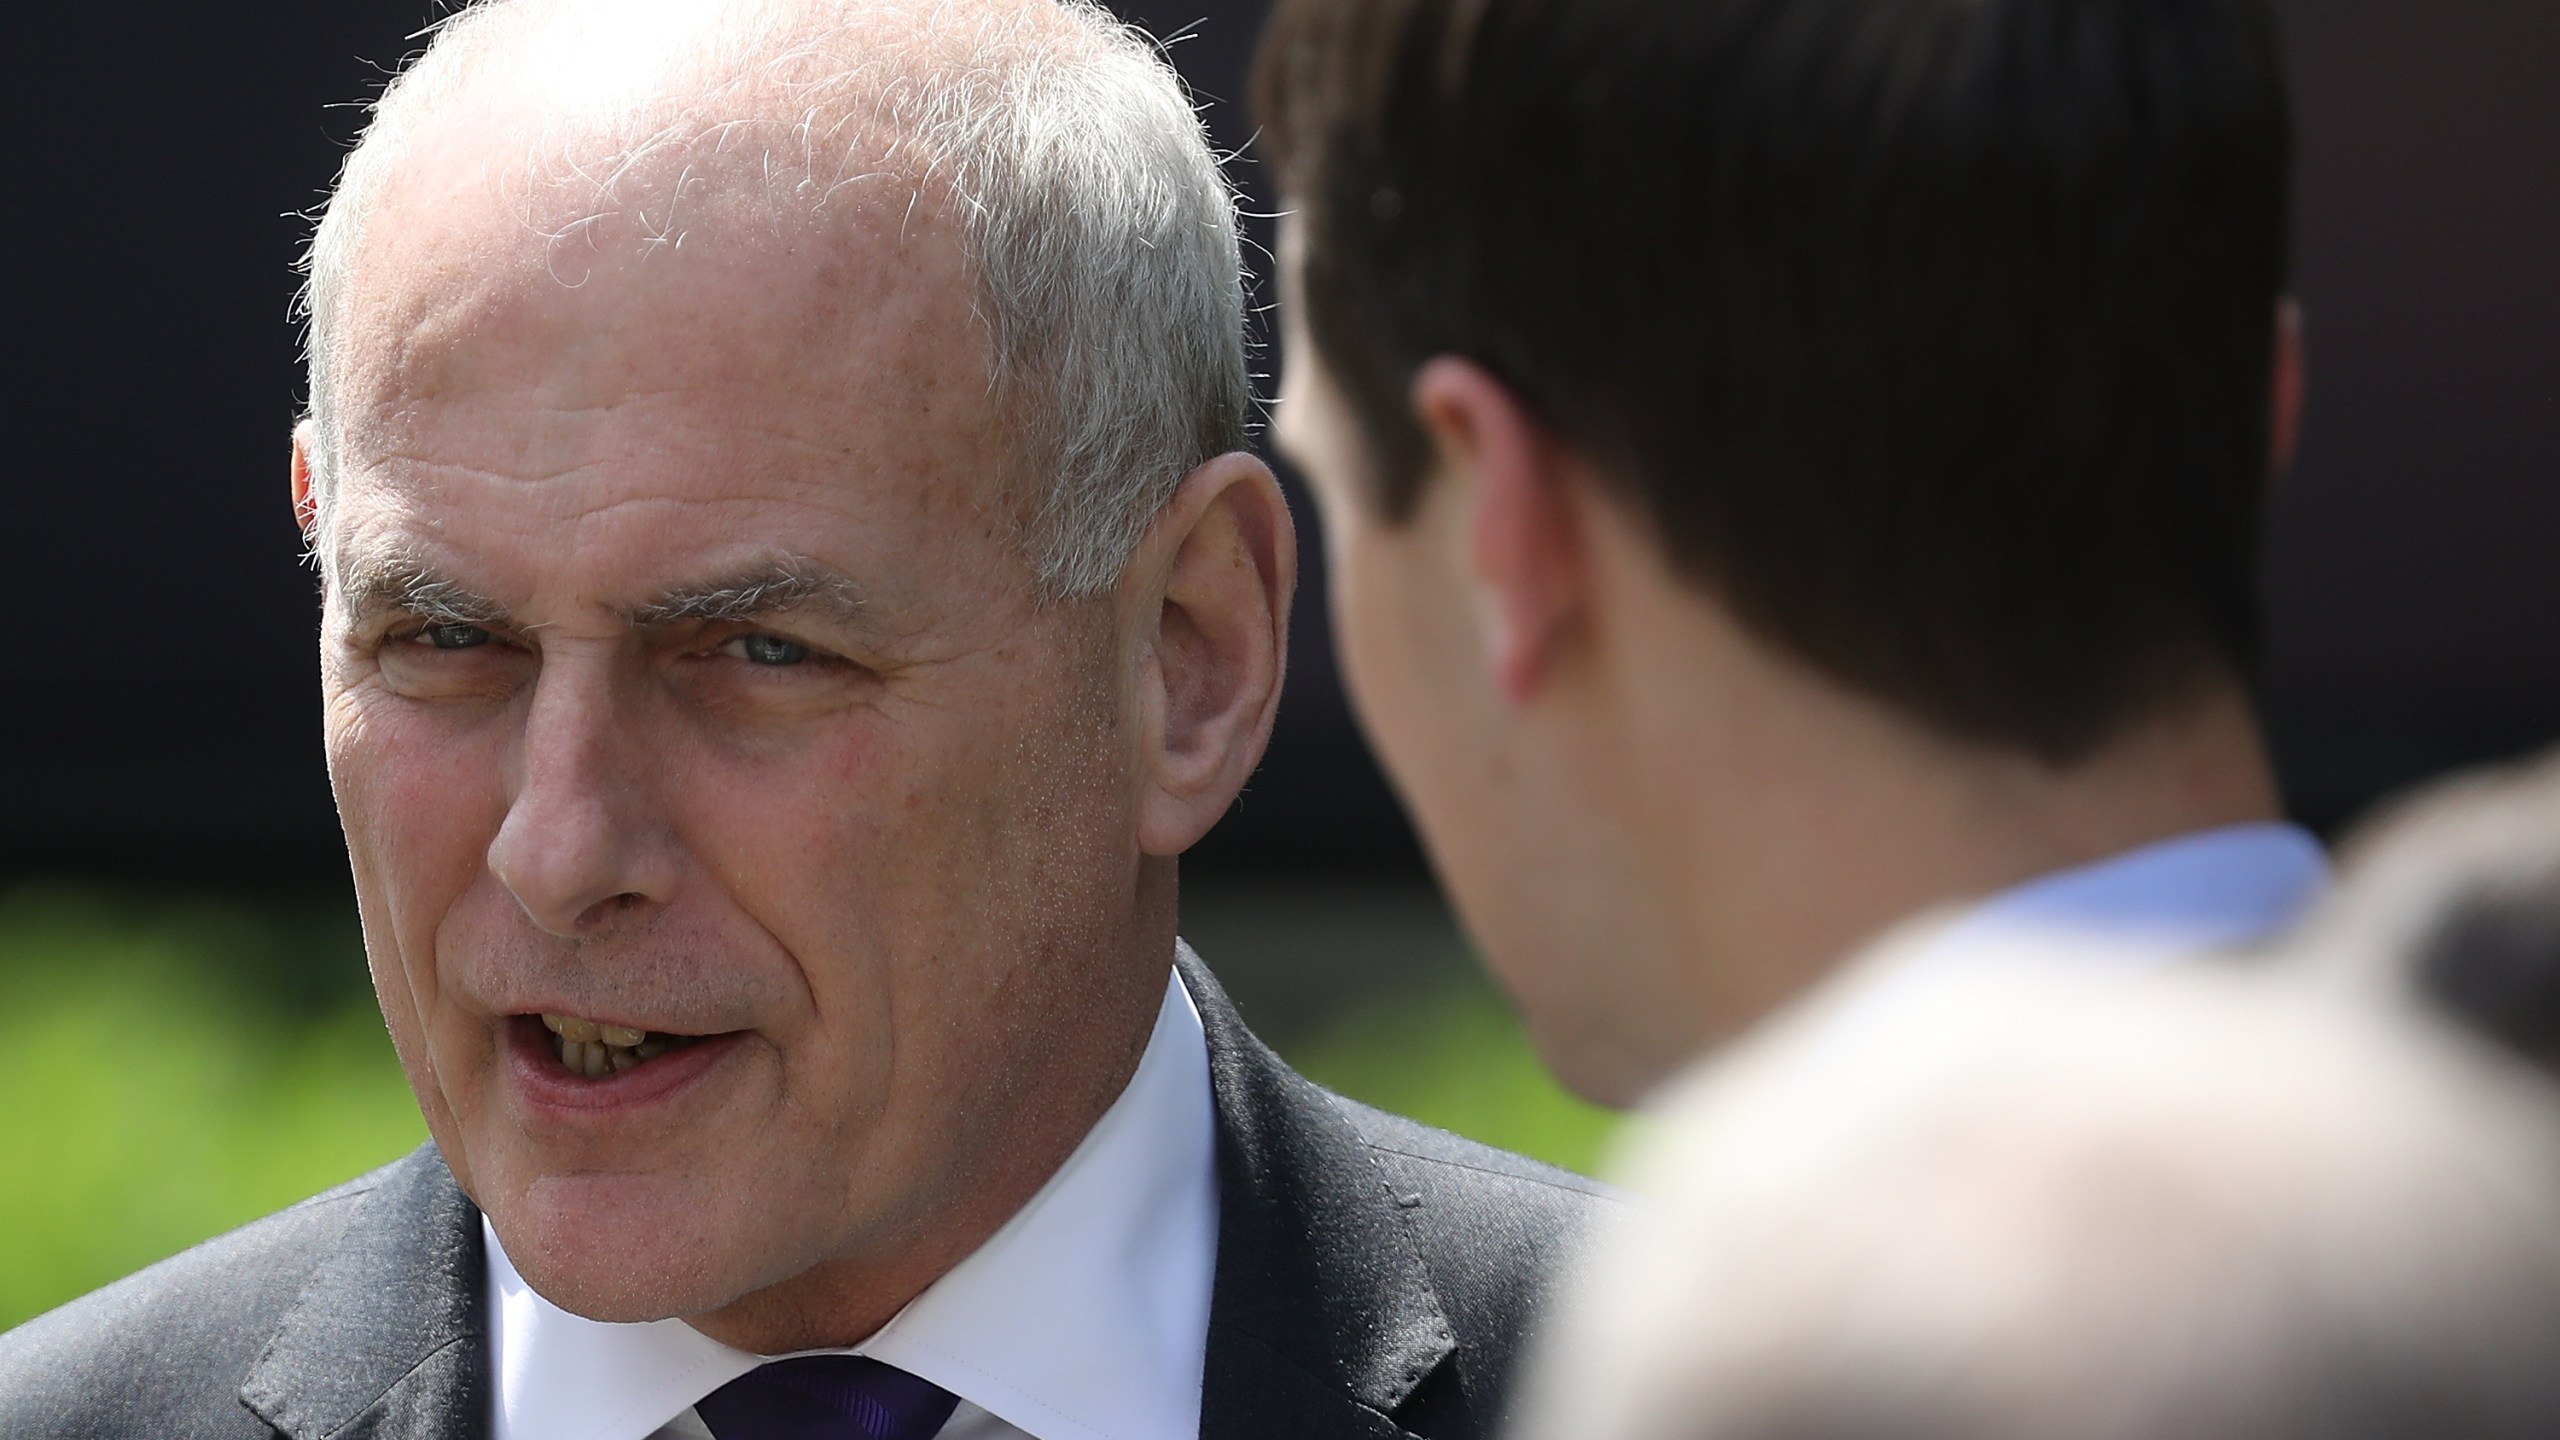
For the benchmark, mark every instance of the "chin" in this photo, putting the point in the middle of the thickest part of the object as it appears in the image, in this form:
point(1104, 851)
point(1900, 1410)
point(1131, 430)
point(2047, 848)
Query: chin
point(1603, 1034)
point(624, 1249)
point(1595, 1060)
point(1602, 1074)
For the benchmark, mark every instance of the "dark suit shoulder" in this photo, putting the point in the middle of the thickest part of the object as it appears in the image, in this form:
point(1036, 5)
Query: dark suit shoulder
point(1498, 1232)
point(162, 1352)
point(1376, 1277)
point(1505, 1215)
point(1488, 1169)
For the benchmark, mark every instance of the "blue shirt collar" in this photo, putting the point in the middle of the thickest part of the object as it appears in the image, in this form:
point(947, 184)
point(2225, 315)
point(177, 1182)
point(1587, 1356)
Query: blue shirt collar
point(2233, 885)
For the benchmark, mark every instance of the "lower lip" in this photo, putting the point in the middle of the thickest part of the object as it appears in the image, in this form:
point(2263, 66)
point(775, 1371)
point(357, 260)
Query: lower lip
point(549, 1085)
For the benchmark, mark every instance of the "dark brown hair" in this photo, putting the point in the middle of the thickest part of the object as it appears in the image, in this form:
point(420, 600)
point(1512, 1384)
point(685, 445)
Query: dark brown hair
point(1934, 336)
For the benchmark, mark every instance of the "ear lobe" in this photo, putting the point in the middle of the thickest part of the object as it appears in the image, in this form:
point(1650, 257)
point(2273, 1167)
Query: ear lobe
point(306, 505)
point(1225, 555)
point(1525, 533)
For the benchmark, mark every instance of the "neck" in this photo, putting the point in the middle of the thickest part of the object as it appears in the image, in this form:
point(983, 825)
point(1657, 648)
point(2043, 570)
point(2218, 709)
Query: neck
point(1782, 821)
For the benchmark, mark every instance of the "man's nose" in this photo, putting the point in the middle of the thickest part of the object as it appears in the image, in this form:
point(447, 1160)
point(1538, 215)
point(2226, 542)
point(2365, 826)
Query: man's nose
point(584, 838)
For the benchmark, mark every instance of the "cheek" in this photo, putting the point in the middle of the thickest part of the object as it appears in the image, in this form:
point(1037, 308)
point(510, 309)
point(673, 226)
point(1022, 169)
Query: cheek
point(931, 874)
point(420, 800)
point(804, 823)
point(1412, 660)
point(849, 849)
point(1361, 592)
point(419, 806)
point(1403, 663)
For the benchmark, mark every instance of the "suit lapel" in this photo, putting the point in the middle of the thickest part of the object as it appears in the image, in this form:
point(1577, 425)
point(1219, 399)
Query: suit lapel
point(388, 1341)
point(1322, 1319)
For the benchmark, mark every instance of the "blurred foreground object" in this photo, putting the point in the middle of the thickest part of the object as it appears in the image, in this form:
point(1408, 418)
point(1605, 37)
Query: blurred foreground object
point(2455, 898)
point(2197, 1202)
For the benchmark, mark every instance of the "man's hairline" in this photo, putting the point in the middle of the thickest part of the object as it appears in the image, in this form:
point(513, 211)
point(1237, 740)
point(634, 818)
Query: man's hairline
point(931, 202)
point(1039, 482)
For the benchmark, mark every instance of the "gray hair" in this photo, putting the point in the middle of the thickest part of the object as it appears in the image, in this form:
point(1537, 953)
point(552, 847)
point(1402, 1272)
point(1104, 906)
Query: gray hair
point(1097, 225)
point(2055, 1202)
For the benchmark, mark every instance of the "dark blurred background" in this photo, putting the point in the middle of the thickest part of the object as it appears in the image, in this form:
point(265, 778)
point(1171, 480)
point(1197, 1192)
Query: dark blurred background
point(157, 719)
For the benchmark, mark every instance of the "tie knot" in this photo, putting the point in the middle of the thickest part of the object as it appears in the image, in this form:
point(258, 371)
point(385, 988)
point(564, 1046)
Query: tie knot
point(827, 1397)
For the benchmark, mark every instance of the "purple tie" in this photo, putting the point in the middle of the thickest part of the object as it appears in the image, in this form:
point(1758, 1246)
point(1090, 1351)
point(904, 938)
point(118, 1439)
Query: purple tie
point(827, 1397)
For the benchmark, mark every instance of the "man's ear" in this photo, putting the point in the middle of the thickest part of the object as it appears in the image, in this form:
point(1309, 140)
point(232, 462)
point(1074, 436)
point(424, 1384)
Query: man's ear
point(1219, 566)
point(1525, 533)
point(306, 506)
point(2284, 390)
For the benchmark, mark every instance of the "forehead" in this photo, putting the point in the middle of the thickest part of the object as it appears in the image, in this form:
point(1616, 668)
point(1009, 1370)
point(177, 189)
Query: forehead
point(704, 347)
point(492, 245)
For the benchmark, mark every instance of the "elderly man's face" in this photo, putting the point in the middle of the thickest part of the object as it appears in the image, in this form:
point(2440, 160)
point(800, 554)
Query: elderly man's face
point(745, 858)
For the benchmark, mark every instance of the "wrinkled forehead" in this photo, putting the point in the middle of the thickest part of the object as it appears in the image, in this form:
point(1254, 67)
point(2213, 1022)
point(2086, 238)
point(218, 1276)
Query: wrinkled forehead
point(497, 224)
point(687, 337)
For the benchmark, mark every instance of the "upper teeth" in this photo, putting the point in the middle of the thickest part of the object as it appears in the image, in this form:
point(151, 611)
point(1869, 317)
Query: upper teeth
point(588, 1032)
point(596, 1050)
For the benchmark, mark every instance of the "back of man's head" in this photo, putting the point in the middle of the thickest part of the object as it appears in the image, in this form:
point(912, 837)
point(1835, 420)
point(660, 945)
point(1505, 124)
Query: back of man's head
point(2204, 1204)
point(1934, 336)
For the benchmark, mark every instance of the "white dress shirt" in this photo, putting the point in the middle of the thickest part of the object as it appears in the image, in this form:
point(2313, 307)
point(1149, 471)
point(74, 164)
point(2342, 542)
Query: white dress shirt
point(1085, 1318)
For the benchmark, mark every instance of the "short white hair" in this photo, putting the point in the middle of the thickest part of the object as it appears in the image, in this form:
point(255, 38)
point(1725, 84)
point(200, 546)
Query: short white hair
point(2054, 1201)
point(1097, 225)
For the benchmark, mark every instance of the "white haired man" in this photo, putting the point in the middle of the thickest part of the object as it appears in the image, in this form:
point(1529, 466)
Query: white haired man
point(792, 590)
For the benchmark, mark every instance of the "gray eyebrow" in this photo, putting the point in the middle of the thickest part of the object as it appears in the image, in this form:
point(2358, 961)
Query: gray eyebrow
point(774, 586)
point(391, 580)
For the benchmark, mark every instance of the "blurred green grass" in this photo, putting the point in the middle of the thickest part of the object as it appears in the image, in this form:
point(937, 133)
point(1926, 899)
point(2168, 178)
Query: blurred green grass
point(1453, 1055)
point(168, 1071)
point(173, 1067)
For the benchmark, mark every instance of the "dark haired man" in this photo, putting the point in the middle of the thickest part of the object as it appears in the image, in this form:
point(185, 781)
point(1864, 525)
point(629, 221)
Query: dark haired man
point(1793, 464)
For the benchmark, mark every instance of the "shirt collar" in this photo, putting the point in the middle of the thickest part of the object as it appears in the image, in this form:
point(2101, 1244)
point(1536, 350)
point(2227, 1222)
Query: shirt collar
point(2232, 885)
point(1085, 1318)
point(2205, 890)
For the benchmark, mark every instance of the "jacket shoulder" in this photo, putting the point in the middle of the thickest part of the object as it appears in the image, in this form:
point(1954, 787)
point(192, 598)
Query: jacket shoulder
point(162, 1352)
point(1500, 1235)
point(1496, 1227)
point(1473, 1164)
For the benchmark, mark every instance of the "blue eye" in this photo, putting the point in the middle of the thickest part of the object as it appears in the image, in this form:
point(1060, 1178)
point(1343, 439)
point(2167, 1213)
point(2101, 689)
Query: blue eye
point(456, 637)
point(770, 650)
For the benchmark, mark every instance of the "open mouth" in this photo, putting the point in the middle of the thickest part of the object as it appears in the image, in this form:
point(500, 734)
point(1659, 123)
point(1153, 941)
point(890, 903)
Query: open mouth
point(596, 1050)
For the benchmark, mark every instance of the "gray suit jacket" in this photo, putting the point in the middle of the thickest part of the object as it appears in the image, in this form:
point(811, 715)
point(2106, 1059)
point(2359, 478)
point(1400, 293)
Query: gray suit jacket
point(1374, 1279)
